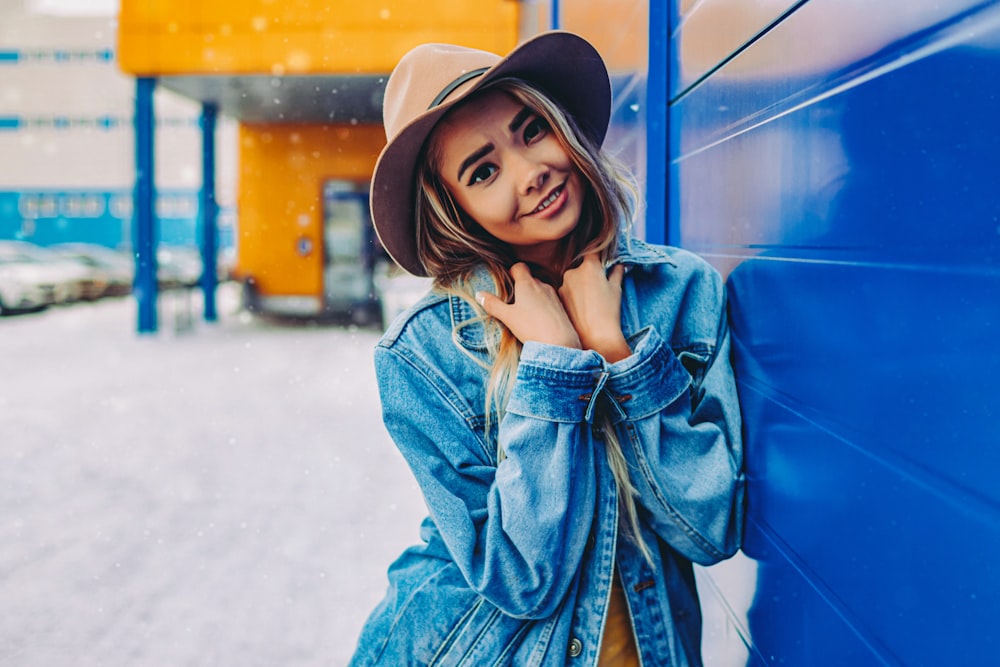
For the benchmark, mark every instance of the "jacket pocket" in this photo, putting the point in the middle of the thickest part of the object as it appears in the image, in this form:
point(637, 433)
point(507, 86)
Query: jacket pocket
point(484, 636)
point(436, 620)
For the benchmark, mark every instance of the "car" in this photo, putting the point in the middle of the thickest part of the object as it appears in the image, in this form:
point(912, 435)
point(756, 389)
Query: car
point(25, 285)
point(117, 267)
point(179, 266)
point(73, 280)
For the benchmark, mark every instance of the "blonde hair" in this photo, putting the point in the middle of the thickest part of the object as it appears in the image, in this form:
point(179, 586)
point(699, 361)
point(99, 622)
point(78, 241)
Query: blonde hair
point(451, 245)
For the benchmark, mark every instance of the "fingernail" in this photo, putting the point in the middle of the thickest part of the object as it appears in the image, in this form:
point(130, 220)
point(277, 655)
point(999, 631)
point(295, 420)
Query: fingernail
point(481, 298)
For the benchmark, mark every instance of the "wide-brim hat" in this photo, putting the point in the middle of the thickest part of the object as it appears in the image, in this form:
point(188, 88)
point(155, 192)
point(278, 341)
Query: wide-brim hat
point(433, 78)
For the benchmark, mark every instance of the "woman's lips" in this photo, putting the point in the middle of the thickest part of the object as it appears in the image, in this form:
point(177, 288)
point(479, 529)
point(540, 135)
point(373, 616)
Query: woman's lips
point(552, 203)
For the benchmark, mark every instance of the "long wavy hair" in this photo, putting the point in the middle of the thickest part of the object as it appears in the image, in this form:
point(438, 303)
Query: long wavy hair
point(452, 246)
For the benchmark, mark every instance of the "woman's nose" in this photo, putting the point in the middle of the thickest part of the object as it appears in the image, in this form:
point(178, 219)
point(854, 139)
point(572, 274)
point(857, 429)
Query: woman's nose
point(533, 175)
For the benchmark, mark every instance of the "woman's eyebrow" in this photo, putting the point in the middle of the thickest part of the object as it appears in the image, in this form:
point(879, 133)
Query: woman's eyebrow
point(516, 123)
point(474, 158)
point(519, 119)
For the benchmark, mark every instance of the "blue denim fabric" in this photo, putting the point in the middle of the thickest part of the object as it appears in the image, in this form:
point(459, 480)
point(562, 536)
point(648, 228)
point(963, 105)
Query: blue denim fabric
point(517, 559)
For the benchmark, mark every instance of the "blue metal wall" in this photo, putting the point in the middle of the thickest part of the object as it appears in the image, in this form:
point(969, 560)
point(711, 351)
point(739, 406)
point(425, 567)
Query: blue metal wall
point(840, 162)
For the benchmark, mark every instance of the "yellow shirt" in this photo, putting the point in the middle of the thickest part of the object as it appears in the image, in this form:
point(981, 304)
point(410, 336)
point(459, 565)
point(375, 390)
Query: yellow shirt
point(618, 647)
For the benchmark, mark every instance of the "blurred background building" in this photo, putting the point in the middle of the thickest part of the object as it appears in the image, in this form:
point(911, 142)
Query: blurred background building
point(297, 92)
point(67, 137)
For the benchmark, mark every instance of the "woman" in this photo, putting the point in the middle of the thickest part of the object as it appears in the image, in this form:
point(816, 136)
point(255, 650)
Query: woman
point(563, 395)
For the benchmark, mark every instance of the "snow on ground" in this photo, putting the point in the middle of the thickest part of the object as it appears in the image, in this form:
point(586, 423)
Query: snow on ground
point(218, 494)
point(224, 495)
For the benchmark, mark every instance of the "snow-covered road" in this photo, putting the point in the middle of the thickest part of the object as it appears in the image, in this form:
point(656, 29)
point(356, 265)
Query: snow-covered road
point(223, 496)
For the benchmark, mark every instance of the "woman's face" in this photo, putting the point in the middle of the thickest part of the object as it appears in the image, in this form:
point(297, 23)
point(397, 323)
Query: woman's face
point(505, 168)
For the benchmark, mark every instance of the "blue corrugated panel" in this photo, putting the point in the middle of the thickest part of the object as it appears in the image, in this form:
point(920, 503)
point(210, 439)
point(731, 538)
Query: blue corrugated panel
point(708, 33)
point(842, 170)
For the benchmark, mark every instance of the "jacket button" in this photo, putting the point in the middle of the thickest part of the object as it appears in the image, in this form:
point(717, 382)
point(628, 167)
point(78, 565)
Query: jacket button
point(575, 647)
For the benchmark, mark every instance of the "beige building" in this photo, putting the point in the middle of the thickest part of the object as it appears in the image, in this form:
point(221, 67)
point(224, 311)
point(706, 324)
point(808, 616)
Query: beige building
point(67, 159)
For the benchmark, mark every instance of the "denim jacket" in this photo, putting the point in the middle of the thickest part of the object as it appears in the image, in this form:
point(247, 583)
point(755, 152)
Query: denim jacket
point(517, 559)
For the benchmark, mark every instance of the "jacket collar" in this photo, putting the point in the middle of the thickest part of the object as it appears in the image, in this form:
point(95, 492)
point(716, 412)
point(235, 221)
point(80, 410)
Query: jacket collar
point(636, 252)
point(471, 336)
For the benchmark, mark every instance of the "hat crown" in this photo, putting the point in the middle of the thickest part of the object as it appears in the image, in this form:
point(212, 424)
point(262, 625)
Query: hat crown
point(422, 74)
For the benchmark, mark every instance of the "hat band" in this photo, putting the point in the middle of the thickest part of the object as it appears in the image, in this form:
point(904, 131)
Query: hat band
point(450, 88)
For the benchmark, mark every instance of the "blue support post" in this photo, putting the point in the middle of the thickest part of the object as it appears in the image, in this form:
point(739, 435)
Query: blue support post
point(209, 211)
point(658, 226)
point(144, 214)
point(554, 19)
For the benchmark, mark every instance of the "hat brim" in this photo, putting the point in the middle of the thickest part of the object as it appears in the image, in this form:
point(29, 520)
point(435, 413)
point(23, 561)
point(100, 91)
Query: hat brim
point(563, 65)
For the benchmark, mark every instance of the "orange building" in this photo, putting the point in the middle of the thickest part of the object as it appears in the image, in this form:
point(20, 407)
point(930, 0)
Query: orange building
point(304, 78)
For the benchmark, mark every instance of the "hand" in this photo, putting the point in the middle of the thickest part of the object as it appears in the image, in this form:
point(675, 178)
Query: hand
point(593, 301)
point(536, 313)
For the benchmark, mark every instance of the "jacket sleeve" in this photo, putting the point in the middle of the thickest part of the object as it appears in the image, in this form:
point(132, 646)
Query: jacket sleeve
point(680, 429)
point(516, 530)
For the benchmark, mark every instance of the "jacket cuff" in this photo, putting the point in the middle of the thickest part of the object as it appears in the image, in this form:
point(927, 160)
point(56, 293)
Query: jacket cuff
point(555, 383)
point(649, 380)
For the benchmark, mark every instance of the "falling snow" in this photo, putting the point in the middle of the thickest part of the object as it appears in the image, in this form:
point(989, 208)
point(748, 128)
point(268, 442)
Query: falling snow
point(218, 496)
point(211, 495)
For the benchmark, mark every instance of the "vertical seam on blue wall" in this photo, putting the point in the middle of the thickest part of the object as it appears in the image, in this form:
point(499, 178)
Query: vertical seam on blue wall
point(658, 227)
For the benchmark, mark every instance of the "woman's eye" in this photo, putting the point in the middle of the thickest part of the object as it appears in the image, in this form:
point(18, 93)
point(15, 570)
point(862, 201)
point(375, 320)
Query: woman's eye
point(481, 173)
point(534, 129)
